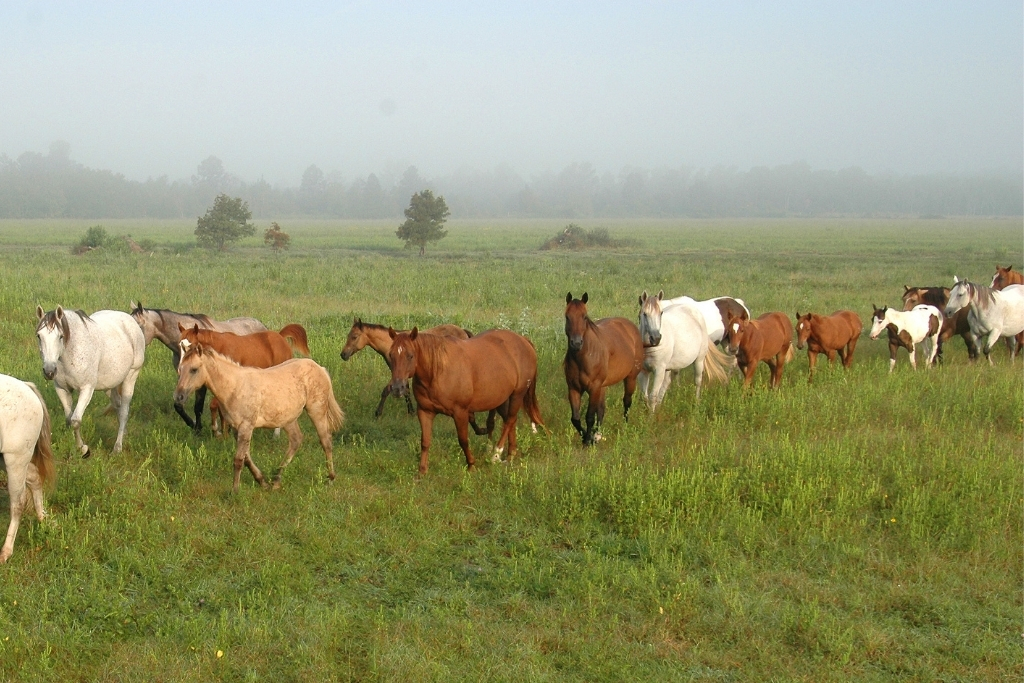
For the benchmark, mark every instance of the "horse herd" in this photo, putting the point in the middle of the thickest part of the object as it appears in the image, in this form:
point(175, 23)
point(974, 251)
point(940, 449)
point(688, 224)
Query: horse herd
point(258, 383)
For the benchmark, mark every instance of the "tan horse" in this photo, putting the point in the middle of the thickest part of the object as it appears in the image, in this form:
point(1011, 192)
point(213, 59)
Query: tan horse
point(495, 370)
point(254, 398)
point(837, 333)
point(599, 354)
point(768, 339)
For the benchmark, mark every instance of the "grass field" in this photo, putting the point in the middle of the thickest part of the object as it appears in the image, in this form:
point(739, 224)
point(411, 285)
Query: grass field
point(867, 527)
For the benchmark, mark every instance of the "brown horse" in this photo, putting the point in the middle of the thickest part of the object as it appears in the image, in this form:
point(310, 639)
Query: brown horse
point(252, 398)
point(768, 339)
point(1006, 276)
point(256, 350)
point(495, 370)
point(956, 324)
point(599, 354)
point(377, 338)
point(837, 333)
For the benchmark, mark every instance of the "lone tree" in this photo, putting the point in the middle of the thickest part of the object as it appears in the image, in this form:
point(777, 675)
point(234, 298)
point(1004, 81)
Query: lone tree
point(226, 221)
point(276, 238)
point(424, 220)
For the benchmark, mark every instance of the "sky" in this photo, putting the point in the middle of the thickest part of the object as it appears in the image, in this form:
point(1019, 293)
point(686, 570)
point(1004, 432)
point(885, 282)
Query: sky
point(151, 89)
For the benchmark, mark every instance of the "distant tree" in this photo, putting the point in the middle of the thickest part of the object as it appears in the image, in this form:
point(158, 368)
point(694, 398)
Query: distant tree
point(424, 220)
point(210, 173)
point(275, 238)
point(313, 182)
point(226, 221)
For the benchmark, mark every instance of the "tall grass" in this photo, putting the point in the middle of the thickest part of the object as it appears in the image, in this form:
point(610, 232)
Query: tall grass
point(867, 526)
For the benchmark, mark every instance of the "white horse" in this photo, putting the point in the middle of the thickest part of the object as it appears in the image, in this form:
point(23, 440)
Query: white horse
point(910, 328)
point(994, 313)
point(716, 312)
point(80, 352)
point(675, 337)
point(27, 455)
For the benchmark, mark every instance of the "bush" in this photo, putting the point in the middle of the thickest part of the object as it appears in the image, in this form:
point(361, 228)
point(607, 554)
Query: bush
point(275, 238)
point(575, 237)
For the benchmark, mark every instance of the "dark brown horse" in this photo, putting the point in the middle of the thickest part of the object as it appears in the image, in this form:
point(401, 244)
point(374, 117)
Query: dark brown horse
point(837, 333)
point(377, 338)
point(495, 370)
point(600, 354)
point(768, 339)
point(956, 324)
point(256, 350)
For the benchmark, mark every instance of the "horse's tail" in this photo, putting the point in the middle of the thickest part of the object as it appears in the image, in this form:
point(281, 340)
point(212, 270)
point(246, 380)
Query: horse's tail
point(296, 336)
point(789, 352)
point(715, 363)
point(530, 403)
point(469, 335)
point(42, 458)
point(335, 416)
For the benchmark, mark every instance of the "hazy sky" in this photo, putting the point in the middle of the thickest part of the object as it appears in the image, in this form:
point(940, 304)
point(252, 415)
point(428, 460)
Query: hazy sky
point(149, 89)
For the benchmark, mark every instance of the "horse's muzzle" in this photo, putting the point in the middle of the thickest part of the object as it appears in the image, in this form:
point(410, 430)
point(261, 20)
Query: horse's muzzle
point(179, 396)
point(49, 370)
point(399, 387)
point(653, 339)
point(576, 342)
point(799, 345)
point(346, 354)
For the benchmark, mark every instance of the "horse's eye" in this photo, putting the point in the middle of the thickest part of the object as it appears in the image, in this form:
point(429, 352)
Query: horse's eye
point(193, 371)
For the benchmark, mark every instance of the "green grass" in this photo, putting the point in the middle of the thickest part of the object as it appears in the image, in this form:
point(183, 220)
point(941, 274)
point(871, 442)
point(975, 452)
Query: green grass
point(866, 527)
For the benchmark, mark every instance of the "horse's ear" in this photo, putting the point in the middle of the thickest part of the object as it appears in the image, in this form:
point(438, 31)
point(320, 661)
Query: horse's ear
point(195, 329)
point(798, 315)
point(906, 288)
point(584, 297)
point(661, 294)
point(568, 298)
point(132, 305)
point(39, 312)
point(415, 333)
point(392, 333)
point(358, 322)
point(181, 328)
point(199, 349)
point(643, 297)
point(955, 279)
point(60, 312)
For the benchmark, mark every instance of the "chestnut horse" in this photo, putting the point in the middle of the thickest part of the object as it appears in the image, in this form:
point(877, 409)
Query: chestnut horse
point(254, 398)
point(1006, 276)
point(956, 324)
point(495, 370)
point(768, 339)
point(837, 333)
point(599, 354)
point(256, 350)
point(377, 338)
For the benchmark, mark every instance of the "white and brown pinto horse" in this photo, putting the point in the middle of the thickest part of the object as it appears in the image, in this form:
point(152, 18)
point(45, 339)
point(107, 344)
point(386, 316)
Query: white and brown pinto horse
point(674, 338)
point(27, 454)
point(165, 325)
point(717, 313)
point(993, 313)
point(84, 353)
point(254, 398)
point(956, 324)
point(907, 329)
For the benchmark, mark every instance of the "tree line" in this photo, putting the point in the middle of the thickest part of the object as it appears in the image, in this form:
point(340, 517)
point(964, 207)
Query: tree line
point(53, 185)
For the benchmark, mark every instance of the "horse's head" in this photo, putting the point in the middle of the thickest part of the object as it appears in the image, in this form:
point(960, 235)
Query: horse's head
point(959, 296)
point(878, 320)
point(1002, 277)
point(402, 359)
point(734, 333)
point(146, 319)
point(911, 297)
point(576, 320)
point(53, 333)
point(187, 337)
point(356, 340)
point(191, 372)
point(650, 319)
point(803, 329)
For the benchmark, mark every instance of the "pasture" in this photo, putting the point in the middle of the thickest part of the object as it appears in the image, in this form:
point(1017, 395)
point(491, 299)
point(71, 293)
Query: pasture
point(865, 527)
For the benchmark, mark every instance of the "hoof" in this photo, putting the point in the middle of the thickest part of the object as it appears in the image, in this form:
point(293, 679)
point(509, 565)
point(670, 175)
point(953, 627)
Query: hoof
point(276, 486)
point(86, 453)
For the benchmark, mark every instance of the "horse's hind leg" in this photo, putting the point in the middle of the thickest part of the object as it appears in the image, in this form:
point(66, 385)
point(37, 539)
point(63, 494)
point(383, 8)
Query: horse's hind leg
point(509, 412)
point(17, 471)
point(629, 386)
point(323, 431)
point(294, 441)
point(482, 431)
point(126, 391)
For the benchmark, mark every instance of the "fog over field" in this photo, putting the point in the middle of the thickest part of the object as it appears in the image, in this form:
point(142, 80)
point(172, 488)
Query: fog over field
point(358, 88)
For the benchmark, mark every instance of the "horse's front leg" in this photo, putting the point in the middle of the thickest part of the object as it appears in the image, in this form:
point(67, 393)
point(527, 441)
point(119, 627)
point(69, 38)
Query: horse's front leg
point(383, 398)
point(74, 420)
point(595, 416)
point(657, 377)
point(242, 457)
point(197, 409)
point(993, 337)
point(294, 441)
point(426, 434)
point(124, 394)
point(812, 361)
point(575, 396)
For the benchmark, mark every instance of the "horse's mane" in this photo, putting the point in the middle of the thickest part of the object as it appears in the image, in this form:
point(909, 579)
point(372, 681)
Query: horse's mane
point(50, 320)
point(434, 349)
point(984, 296)
point(201, 317)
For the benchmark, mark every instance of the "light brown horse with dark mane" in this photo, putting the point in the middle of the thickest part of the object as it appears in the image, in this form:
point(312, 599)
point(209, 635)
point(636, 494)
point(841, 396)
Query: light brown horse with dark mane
point(256, 350)
point(952, 325)
point(1005, 277)
point(495, 370)
point(768, 339)
point(377, 338)
point(600, 353)
point(836, 333)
